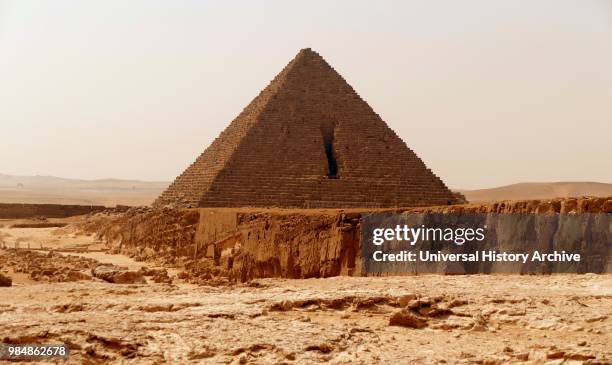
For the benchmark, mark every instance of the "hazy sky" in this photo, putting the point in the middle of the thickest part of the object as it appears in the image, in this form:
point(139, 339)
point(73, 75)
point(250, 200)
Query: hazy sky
point(486, 92)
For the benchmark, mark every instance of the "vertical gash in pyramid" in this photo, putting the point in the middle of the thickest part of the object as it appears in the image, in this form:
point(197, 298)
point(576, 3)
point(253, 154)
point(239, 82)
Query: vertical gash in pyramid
point(307, 141)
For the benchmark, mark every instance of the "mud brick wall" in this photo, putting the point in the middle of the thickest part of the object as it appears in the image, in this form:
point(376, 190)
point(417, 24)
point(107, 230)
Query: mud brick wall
point(22, 211)
point(280, 150)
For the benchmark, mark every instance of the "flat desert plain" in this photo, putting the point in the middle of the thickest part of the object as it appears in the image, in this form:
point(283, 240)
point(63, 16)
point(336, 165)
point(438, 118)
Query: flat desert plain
point(110, 192)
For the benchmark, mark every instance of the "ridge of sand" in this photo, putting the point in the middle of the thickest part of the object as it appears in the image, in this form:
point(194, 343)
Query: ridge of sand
point(539, 190)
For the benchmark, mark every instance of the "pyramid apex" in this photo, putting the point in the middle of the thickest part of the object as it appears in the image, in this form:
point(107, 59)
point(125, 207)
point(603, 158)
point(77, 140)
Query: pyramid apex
point(307, 51)
point(306, 54)
point(304, 57)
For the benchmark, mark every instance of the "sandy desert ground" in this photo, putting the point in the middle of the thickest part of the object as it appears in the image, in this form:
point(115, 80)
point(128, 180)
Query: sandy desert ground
point(343, 320)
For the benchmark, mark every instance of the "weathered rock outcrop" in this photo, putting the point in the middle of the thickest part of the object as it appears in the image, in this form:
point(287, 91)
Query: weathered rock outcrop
point(586, 234)
point(247, 243)
point(165, 235)
point(46, 267)
point(292, 245)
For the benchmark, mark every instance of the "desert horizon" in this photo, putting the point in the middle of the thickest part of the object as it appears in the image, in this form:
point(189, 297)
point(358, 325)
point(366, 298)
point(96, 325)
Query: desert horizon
point(111, 192)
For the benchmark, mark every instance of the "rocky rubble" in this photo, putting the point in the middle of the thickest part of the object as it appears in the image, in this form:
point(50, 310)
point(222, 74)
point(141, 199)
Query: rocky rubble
point(204, 271)
point(117, 274)
point(416, 312)
point(46, 266)
point(157, 275)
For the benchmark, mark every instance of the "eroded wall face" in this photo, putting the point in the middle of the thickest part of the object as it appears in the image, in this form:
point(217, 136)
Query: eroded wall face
point(473, 243)
point(243, 244)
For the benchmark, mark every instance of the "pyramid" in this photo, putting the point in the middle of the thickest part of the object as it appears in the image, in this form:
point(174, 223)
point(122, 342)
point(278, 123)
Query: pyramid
point(307, 140)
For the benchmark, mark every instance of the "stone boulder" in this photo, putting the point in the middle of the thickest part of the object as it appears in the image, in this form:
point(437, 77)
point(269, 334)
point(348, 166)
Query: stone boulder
point(118, 275)
point(405, 318)
point(5, 280)
point(157, 275)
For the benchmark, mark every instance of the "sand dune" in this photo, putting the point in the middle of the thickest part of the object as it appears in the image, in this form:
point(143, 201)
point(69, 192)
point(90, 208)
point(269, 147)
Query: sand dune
point(541, 190)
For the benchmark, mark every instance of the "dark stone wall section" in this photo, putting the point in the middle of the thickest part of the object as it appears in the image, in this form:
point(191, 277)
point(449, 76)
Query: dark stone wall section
point(23, 211)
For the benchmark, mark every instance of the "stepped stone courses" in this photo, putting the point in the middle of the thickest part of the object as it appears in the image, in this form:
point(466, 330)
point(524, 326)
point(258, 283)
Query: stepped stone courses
point(307, 141)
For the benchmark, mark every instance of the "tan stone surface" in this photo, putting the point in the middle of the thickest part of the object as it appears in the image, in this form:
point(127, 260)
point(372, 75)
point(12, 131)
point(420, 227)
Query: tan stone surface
point(491, 320)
